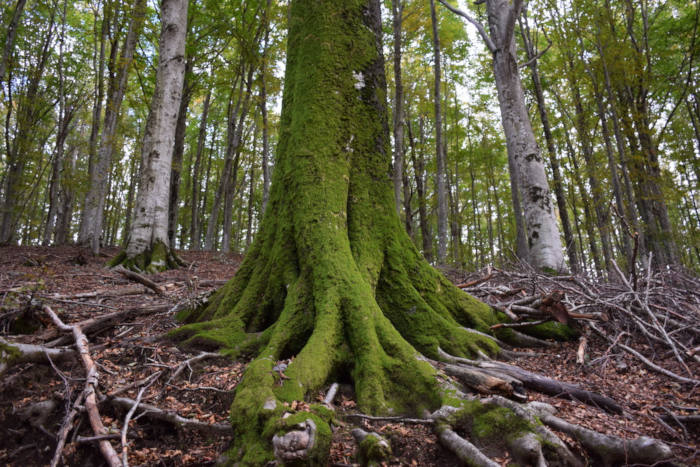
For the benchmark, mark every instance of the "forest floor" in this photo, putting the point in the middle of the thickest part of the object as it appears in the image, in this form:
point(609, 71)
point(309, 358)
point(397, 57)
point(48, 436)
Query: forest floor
point(129, 356)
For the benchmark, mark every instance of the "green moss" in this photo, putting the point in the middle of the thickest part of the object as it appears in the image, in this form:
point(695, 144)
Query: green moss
point(489, 423)
point(156, 259)
point(8, 353)
point(551, 330)
point(373, 450)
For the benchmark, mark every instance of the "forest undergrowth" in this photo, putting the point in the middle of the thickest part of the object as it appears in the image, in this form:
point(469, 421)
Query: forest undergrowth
point(634, 340)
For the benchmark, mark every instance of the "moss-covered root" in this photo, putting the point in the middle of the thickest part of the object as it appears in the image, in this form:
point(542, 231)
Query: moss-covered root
point(155, 259)
point(372, 448)
point(494, 430)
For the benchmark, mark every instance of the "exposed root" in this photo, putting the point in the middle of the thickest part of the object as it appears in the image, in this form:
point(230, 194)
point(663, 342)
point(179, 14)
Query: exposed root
point(608, 450)
point(373, 449)
point(158, 258)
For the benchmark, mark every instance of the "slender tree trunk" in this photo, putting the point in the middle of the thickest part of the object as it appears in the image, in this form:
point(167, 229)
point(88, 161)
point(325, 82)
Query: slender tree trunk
point(148, 247)
point(134, 176)
point(98, 93)
point(418, 159)
point(67, 198)
point(263, 113)
point(587, 215)
point(224, 179)
point(397, 12)
point(94, 204)
point(439, 146)
point(195, 224)
point(234, 146)
point(251, 195)
point(64, 118)
point(179, 150)
point(601, 211)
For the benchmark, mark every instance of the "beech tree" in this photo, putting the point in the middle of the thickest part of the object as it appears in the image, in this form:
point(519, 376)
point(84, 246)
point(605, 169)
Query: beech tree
point(544, 244)
point(148, 247)
point(333, 277)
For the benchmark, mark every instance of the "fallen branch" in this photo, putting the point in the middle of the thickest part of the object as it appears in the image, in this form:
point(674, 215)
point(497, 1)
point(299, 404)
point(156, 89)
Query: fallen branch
point(156, 413)
point(13, 353)
point(91, 382)
point(538, 383)
point(99, 323)
point(134, 276)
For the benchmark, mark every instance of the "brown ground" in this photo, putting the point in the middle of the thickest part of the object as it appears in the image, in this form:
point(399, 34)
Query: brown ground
point(128, 353)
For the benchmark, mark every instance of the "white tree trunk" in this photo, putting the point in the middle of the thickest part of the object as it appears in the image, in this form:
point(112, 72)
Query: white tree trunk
point(150, 224)
point(545, 248)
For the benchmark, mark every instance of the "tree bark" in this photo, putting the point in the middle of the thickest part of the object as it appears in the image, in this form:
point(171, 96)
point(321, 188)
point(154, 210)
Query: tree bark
point(195, 224)
point(397, 12)
point(544, 244)
point(148, 248)
point(551, 149)
point(332, 277)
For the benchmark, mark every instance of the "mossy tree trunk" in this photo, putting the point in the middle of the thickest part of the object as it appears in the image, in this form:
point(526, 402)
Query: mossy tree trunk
point(333, 279)
point(148, 247)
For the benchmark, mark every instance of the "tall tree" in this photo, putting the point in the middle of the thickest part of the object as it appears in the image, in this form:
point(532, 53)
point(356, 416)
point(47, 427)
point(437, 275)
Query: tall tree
point(544, 243)
point(396, 13)
point(440, 151)
point(333, 277)
point(93, 210)
point(148, 248)
point(532, 61)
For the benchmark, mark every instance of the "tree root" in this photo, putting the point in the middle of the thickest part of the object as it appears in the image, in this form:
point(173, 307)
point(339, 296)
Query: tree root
point(609, 450)
point(373, 449)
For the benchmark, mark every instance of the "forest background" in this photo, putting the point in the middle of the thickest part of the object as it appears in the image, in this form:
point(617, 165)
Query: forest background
point(611, 88)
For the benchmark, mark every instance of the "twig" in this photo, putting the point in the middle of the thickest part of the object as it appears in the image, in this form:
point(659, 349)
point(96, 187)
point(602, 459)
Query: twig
point(415, 421)
point(125, 428)
point(91, 383)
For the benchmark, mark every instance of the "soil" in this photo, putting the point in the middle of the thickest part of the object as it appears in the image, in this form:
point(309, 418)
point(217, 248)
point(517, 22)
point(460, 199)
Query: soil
point(131, 351)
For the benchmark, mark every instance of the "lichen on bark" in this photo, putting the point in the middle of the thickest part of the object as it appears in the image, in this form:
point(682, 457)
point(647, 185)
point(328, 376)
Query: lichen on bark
point(333, 280)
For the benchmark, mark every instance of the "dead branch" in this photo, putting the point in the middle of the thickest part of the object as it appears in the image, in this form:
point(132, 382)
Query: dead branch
point(134, 276)
point(13, 353)
point(156, 413)
point(91, 383)
point(536, 382)
point(99, 323)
